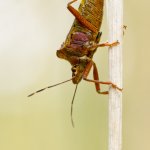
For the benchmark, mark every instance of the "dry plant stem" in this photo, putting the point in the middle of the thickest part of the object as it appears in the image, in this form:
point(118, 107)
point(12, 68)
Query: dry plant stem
point(115, 26)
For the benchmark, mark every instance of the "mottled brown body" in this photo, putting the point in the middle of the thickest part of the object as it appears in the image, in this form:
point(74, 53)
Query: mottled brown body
point(78, 47)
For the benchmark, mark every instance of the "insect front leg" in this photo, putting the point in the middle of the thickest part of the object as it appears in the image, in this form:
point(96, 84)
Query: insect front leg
point(108, 44)
point(80, 18)
point(96, 78)
point(105, 44)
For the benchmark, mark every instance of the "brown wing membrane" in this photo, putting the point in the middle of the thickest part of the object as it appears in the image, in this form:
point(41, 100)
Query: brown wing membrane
point(92, 11)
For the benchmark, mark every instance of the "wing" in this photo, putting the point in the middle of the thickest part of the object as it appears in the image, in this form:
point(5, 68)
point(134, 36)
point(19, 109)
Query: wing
point(92, 10)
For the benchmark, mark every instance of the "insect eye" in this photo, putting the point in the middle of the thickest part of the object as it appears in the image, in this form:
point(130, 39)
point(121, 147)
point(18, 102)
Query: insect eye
point(73, 69)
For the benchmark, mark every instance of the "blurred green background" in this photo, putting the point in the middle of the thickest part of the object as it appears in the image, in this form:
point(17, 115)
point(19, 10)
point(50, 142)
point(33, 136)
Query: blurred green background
point(30, 33)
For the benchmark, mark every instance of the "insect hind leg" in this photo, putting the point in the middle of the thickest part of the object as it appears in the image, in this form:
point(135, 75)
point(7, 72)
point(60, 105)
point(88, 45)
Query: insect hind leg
point(96, 78)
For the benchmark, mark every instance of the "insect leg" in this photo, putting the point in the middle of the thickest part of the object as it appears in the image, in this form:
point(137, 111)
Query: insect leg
point(105, 44)
point(108, 44)
point(80, 18)
point(96, 78)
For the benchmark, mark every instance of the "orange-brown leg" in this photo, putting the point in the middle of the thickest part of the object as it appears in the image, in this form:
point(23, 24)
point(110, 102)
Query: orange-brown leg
point(108, 44)
point(96, 78)
point(80, 18)
point(105, 44)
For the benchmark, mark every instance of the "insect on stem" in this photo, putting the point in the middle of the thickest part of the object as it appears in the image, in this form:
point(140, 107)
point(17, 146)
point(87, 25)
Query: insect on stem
point(81, 44)
point(72, 102)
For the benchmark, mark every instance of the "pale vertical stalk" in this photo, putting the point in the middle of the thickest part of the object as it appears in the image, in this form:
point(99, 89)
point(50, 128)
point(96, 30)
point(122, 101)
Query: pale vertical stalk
point(115, 26)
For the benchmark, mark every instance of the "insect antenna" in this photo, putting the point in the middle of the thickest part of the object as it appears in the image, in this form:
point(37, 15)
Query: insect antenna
point(72, 105)
point(49, 87)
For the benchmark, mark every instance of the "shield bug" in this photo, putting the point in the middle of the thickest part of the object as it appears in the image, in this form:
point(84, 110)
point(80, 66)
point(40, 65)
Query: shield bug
point(81, 43)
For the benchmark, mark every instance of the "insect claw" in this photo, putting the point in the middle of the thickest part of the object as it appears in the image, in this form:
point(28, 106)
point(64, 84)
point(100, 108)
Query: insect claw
point(115, 87)
point(120, 89)
point(114, 43)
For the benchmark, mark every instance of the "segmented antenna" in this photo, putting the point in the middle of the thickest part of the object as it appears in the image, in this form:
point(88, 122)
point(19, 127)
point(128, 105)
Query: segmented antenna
point(72, 102)
point(49, 87)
